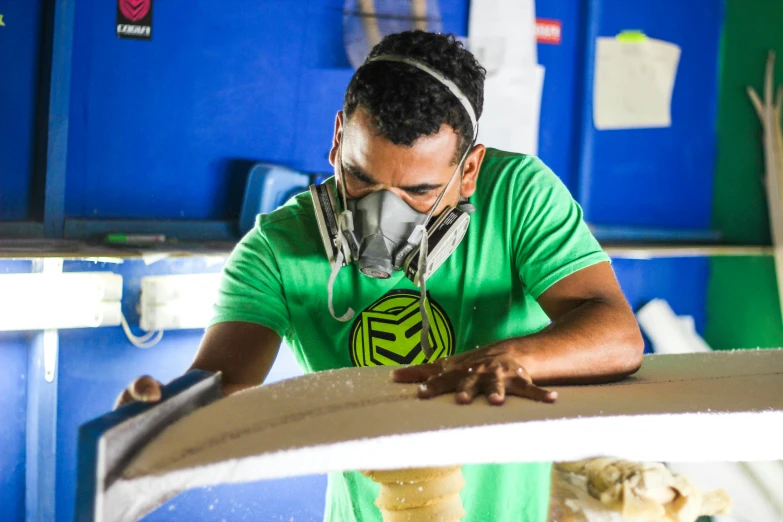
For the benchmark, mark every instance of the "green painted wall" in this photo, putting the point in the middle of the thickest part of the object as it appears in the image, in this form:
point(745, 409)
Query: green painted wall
point(742, 303)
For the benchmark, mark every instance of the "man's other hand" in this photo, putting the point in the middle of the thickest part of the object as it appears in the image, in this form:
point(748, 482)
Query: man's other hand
point(143, 389)
point(492, 371)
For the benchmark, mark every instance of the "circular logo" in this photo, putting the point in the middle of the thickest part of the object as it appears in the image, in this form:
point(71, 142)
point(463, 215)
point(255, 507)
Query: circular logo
point(388, 332)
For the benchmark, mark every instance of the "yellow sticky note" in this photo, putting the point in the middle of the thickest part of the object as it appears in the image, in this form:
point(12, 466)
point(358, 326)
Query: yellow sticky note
point(2, 24)
point(632, 36)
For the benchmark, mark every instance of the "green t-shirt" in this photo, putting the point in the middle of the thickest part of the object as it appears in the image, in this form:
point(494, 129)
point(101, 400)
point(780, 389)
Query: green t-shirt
point(527, 233)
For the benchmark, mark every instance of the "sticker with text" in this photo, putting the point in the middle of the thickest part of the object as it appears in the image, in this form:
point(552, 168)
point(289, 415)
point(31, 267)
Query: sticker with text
point(549, 31)
point(134, 19)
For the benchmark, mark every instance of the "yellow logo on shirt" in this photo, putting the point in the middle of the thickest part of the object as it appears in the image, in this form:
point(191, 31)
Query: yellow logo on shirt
point(388, 332)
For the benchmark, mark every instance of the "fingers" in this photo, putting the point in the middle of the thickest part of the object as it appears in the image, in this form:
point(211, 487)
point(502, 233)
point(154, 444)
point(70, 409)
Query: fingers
point(468, 388)
point(467, 380)
point(523, 388)
point(143, 389)
point(440, 384)
point(124, 398)
point(419, 373)
point(495, 389)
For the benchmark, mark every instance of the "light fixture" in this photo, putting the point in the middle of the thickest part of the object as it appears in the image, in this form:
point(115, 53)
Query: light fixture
point(44, 301)
point(175, 302)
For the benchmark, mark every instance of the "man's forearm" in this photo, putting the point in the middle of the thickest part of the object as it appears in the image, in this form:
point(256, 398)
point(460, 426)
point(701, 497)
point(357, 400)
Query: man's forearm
point(596, 342)
point(243, 352)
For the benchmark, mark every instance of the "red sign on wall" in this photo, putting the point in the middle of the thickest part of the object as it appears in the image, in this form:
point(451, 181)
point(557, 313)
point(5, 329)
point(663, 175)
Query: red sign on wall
point(548, 31)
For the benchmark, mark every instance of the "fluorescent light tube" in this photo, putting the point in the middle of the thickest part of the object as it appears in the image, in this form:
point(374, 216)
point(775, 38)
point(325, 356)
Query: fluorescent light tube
point(57, 315)
point(164, 289)
point(84, 286)
point(54, 301)
point(176, 315)
point(175, 302)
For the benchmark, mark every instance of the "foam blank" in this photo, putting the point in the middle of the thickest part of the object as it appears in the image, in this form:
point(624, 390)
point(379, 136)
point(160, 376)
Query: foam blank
point(690, 408)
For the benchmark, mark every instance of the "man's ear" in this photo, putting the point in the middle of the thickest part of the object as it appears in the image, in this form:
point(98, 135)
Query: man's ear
point(471, 169)
point(338, 136)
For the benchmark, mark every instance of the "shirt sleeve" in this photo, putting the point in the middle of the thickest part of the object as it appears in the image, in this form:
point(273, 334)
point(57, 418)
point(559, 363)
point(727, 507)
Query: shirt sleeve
point(251, 288)
point(551, 238)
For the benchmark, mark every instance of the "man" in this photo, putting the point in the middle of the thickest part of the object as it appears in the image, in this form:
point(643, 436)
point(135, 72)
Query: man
point(527, 298)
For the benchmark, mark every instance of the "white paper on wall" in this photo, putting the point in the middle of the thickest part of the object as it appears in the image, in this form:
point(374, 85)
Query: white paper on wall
point(633, 83)
point(503, 34)
point(512, 105)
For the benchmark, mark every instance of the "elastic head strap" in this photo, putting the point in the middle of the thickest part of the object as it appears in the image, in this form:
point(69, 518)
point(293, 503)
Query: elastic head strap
point(450, 85)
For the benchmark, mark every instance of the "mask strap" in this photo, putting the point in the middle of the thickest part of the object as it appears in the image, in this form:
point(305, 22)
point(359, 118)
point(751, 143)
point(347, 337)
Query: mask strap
point(425, 316)
point(343, 195)
point(450, 85)
point(443, 192)
point(338, 264)
point(422, 270)
point(344, 222)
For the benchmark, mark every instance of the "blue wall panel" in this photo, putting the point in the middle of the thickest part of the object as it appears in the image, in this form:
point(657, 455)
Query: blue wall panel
point(20, 49)
point(167, 128)
point(655, 176)
point(14, 348)
point(680, 281)
point(13, 407)
point(300, 499)
point(558, 144)
point(162, 120)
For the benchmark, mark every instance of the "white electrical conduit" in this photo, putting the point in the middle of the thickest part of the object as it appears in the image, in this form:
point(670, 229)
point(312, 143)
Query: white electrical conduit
point(147, 340)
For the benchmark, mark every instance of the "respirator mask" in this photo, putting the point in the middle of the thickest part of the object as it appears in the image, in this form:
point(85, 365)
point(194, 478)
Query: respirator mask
point(382, 234)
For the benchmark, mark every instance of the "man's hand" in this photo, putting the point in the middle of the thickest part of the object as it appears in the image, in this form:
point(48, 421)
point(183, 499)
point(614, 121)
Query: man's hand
point(494, 371)
point(242, 352)
point(593, 339)
point(143, 389)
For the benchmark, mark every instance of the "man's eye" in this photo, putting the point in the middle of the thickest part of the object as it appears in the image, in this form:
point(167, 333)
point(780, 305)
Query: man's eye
point(356, 177)
point(420, 192)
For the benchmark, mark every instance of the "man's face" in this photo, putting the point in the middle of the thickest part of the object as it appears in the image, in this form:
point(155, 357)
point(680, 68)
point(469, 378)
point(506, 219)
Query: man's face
point(417, 174)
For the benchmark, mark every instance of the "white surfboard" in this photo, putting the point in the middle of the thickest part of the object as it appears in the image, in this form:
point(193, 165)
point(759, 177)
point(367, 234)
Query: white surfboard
point(671, 410)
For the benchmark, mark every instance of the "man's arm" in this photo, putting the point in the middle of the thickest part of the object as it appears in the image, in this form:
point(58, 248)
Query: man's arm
point(243, 352)
point(593, 338)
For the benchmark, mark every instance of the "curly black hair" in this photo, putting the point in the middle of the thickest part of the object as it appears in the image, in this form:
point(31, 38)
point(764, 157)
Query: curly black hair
point(406, 103)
